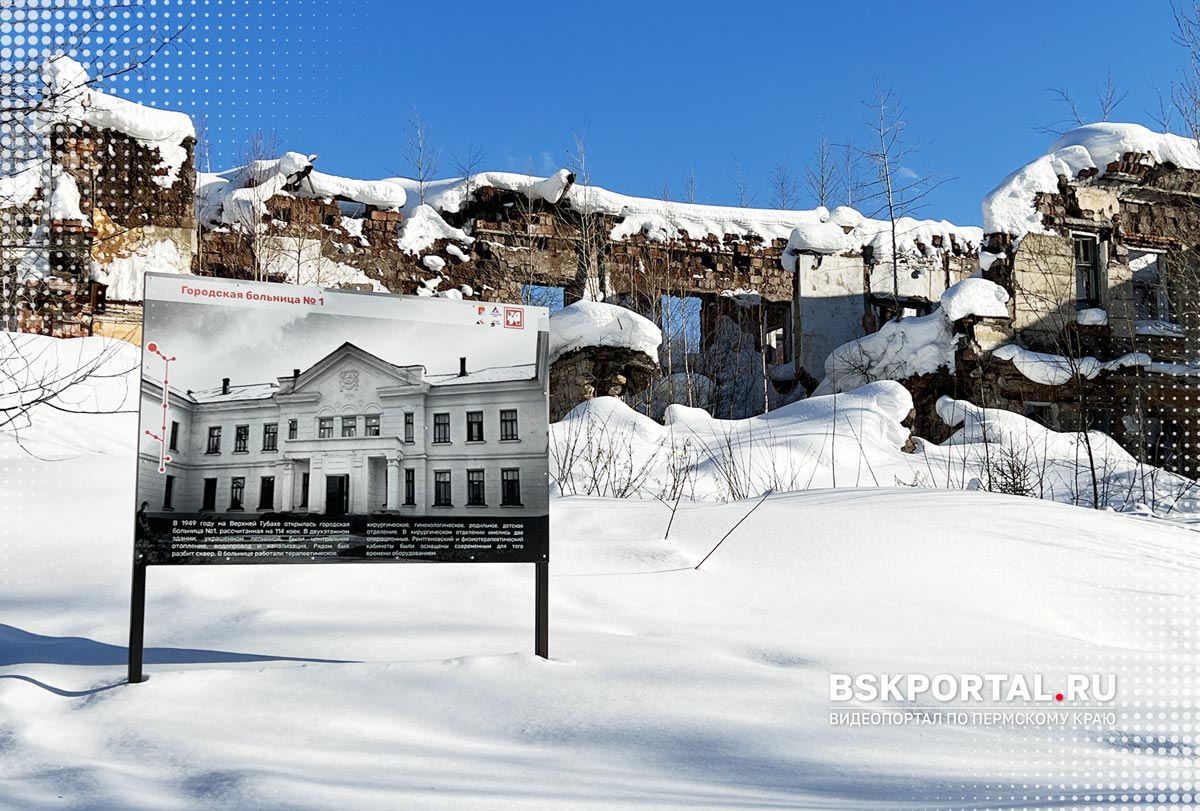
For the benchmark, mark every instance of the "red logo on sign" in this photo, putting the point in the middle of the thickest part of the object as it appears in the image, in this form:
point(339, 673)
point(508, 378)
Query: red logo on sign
point(513, 318)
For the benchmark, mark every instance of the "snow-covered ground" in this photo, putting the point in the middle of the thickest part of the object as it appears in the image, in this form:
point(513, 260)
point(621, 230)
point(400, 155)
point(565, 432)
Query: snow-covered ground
point(668, 687)
point(854, 439)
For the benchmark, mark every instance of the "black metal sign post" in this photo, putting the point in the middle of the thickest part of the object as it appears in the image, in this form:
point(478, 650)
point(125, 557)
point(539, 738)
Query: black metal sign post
point(541, 622)
point(137, 622)
point(137, 617)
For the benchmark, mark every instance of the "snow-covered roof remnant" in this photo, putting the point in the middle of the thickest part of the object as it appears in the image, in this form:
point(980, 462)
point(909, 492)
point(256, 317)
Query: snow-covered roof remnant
point(920, 238)
point(377, 193)
point(846, 217)
point(913, 346)
point(1009, 208)
point(453, 194)
point(239, 195)
point(594, 323)
point(818, 237)
point(69, 97)
point(665, 220)
point(821, 231)
point(975, 297)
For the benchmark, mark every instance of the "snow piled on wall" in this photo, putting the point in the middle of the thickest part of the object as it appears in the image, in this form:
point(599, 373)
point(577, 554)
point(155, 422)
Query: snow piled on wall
point(378, 193)
point(1055, 370)
point(19, 188)
point(912, 346)
point(423, 227)
point(70, 98)
point(64, 197)
point(975, 297)
point(1009, 208)
point(594, 323)
point(124, 274)
point(900, 349)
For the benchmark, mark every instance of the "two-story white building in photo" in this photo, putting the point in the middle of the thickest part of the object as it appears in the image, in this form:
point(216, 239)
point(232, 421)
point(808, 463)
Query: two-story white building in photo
point(352, 434)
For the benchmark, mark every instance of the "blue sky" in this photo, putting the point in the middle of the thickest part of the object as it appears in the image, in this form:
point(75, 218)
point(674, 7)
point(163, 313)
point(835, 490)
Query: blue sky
point(659, 89)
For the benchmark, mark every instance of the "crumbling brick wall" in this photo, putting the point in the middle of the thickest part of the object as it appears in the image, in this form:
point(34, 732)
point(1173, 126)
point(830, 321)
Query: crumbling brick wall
point(1133, 206)
point(596, 371)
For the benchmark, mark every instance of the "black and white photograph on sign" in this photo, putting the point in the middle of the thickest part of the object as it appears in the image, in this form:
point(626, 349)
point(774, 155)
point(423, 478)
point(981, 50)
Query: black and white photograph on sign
point(301, 428)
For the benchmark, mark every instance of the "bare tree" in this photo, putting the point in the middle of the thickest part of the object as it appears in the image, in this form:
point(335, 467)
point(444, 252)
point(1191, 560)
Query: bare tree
point(820, 176)
point(1185, 92)
point(260, 154)
point(785, 188)
point(467, 165)
point(424, 158)
point(1163, 117)
point(689, 186)
point(1109, 97)
point(742, 190)
point(591, 233)
point(1072, 118)
point(898, 189)
point(850, 171)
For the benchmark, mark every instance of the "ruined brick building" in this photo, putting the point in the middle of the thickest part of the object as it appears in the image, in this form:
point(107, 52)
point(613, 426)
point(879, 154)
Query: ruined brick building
point(1094, 243)
point(744, 297)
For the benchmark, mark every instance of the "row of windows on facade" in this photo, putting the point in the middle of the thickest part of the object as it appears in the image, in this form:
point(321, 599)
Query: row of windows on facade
point(510, 490)
point(349, 428)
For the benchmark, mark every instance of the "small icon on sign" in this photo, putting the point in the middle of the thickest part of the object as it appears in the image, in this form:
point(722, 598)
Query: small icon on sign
point(514, 318)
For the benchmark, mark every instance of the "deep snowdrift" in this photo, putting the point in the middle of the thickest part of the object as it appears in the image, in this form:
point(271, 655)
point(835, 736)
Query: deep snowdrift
point(915, 345)
point(854, 439)
point(669, 688)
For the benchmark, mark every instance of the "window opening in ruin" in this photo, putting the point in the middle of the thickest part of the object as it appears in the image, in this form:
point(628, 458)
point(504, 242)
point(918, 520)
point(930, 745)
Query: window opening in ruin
point(1150, 299)
point(680, 323)
point(1042, 413)
point(1099, 419)
point(539, 295)
point(1162, 440)
point(1087, 272)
